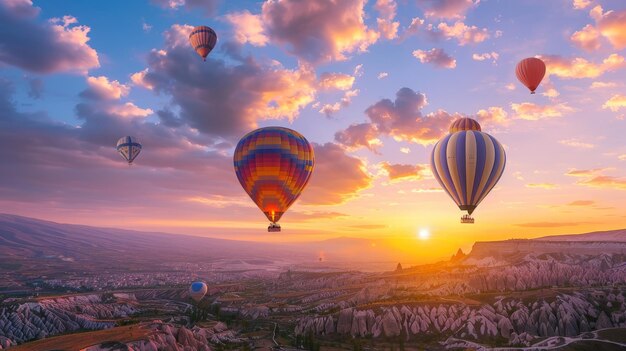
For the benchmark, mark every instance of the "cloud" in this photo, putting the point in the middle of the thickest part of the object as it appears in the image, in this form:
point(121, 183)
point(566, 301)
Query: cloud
point(129, 110)
point(240, 94)
point(340, 81)
point(81, 160)
point(462, 33)
point(437, 57)
point(575, 143)
point(549, 224)
point(595, 179)
point(359, 135)
point(427, 190)
point(551, 93)
point(486, 56)
point(209, 6)
point(612, 26)
point(139, 79)
point(580, 4)
point(602, 181)
point(510, 86)
point(382, 75)
point(403, 172)
point(587, 38)
point(325, 187)
point(581, 203)
point(542, 186)
point(602, 85)
point(318, 31)
point(146, 27)
point(101, 88)
point(534, 112)
point(615, 103)
point(414, 27)
point(583, 172)
point(35, 88)
point(579, 67)
point(59, 45)
point(387, 27)
point(401, 119)
point(248, 28)
point(330, 109)
point(405, 150)
point(492, 116)
point(622, 157)
point(446, 8)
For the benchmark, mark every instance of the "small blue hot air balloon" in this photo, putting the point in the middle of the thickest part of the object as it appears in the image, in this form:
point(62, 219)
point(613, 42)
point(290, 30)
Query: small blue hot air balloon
point(129, 148)
point(197, 290)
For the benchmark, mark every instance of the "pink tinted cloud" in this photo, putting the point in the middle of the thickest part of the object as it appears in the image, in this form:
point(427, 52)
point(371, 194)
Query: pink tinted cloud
point(340, 81)
point(387, 27)
point(359, 135)
point(437, 57)
point(406, 172)
point(463, 33)
point(319, 31)
point(241, 93)
point(59, 45)
point(102, 88)
point(248, 28)
point(612, 25)
point(446, 8)
point(206, 6)
point(577, 67)
point(587, 38)
point(325, 187)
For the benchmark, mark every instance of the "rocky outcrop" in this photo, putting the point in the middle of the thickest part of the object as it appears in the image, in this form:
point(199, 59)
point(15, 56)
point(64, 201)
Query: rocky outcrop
point(509, 319)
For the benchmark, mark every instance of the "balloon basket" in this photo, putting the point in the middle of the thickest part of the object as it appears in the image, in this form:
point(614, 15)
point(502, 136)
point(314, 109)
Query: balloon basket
point(274, 227)
point(467, 220)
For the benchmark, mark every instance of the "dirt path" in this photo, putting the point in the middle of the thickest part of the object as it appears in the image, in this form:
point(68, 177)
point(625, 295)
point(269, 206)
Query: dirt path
point(77, 341)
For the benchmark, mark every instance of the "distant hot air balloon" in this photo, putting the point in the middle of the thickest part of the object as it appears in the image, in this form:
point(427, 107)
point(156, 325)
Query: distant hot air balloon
point(203, 39)
point(468, 164)
point(197, 290)
point(530, 72)
point(464, 124)
point(273, 165)
point(129, 148)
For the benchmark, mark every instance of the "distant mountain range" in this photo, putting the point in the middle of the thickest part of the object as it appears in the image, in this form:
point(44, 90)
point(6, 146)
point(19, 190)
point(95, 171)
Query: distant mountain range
point(23, 238)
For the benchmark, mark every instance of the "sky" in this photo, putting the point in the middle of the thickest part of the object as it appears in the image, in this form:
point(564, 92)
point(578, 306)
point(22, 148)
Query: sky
point(371, 84)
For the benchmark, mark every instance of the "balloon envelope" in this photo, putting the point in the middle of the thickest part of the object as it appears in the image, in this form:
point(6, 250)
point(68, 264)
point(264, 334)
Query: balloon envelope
point(197, 290)
point(464, 123)
point(129, 148)
point(203, 39)
point(273, 165)
point(467, 165)
point(530, 72)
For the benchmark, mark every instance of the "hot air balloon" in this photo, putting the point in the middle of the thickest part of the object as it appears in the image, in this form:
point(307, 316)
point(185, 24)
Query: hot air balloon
point(203, 39)
point(273, 165)
point(530, 72)
point(197, 290)
point(464, 124)
point(129, 148)
point(468, 164)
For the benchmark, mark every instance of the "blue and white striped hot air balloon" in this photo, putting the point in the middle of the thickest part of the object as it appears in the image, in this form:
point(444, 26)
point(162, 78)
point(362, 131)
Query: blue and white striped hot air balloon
point(467, 164)
point(129, 148)
point(197, 290)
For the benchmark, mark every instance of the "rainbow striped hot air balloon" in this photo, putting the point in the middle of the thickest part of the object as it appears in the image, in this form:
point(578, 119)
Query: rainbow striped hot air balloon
point(203, 39)
point(468, 164)
point(273, 165)
point(129, 148)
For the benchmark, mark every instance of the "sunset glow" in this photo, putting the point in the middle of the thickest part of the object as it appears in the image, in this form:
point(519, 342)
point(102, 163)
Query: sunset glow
point(372, 85)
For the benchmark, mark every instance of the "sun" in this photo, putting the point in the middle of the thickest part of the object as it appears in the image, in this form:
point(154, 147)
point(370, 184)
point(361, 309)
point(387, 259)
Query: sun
point(423, 234)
